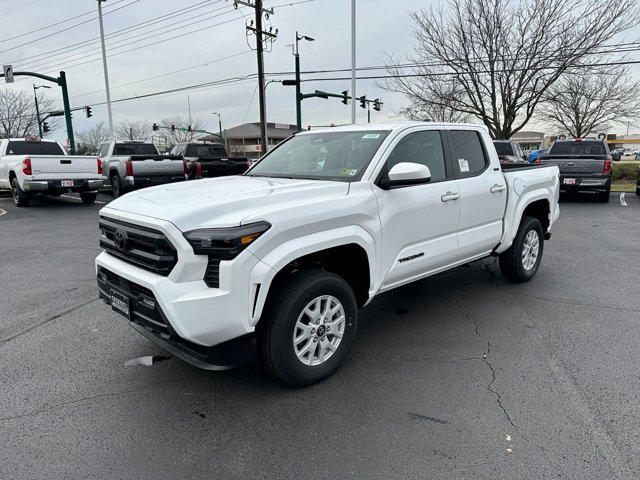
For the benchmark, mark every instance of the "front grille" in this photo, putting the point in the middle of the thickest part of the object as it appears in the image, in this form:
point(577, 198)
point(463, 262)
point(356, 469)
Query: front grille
point(144, 308)
point(144, 247)
point(212, 274)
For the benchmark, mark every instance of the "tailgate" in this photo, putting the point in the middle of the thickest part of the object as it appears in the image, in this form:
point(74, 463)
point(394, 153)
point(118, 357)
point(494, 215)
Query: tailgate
point(66, 165)
point(572, 166)
point(157, 166)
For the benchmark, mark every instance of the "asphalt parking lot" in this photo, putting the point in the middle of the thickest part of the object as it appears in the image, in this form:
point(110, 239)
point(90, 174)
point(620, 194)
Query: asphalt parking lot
point(457, 376)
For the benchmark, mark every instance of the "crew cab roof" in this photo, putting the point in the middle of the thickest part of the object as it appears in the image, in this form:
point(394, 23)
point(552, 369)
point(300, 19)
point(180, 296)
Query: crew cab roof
point(394, 126)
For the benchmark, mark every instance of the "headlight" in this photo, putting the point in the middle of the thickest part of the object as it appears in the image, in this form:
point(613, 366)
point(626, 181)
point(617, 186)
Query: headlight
point(225, 243)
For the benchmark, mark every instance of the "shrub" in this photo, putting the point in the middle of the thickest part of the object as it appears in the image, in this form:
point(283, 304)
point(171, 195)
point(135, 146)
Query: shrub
point(624, 171)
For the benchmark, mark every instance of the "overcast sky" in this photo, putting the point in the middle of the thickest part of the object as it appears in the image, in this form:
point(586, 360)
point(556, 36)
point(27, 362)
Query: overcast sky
point(384, 27)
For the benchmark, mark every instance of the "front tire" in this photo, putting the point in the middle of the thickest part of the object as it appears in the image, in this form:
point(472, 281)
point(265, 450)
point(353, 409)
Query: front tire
point(309, 327)
point(521, 261)
point(20, 197)
point(88, 197)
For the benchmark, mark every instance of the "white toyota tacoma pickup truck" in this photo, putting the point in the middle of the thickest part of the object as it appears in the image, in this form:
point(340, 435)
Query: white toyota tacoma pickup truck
point(42, 167)
point(287, 253)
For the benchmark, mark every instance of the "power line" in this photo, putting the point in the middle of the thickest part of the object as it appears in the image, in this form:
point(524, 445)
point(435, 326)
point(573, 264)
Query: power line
point(48, 63)
point(67, 28)
point(119, 32)
point(5, 12)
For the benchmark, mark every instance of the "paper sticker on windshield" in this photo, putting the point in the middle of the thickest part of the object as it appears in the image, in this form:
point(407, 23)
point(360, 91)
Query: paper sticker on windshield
point(463, 164)
point(371, 135)
point(349, 171)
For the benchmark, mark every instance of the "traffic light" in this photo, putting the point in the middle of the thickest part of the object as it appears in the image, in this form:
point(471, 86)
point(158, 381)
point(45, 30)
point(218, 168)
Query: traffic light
point(173, 128)
point(363, 101)
point(345, 97)
point(87, 110)
point(45, 127)
point(189, 128)
point(155, 127)
point(377, 105)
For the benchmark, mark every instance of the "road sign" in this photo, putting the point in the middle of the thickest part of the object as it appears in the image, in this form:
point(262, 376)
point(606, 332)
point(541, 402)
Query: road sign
point(8, 73)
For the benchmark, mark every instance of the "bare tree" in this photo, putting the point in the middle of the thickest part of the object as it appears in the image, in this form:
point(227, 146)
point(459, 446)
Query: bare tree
point(580, 102)
point(18, 113)
point(133, 130)
point(89, 140)
point(179, 136)
point(503, 55)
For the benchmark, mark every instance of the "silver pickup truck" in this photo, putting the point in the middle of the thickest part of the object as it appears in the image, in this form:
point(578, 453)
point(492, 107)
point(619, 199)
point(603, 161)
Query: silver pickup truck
point(130, 165)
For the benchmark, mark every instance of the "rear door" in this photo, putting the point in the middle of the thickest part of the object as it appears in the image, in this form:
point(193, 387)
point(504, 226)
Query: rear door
point(419, 222)
point(483, 192)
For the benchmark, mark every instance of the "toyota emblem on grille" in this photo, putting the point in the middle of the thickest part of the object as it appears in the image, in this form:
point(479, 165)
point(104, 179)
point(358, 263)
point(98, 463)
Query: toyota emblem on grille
point(121, 240)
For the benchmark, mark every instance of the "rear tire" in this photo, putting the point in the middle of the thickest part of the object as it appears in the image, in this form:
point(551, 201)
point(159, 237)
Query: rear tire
point(603, 197)
point(20, 197)
point(301, 337)
point(116, 186)
point(88, 197)
point(521, 261)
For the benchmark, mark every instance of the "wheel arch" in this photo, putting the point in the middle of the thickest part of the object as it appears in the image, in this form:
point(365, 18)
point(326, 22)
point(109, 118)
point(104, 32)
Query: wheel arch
point(330, 255)
point(535, 204)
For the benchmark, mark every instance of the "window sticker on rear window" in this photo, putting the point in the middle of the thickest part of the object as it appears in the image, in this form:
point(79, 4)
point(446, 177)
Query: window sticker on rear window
point(371, 135)
point(463, 164)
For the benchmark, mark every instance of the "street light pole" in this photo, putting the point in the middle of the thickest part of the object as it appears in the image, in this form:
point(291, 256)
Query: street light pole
point(353, 60)
point(219, 126)
point(104, 66)
point(35, 95)
point(298, 80)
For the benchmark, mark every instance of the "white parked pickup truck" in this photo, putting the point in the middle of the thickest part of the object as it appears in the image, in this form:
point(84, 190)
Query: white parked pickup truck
point(288, 252)
point(42, 167)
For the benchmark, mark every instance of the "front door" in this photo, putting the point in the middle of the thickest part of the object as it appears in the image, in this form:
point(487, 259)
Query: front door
point(419, 222)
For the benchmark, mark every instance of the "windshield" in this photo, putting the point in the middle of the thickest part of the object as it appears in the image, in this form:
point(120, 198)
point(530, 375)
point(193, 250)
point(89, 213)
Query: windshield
point(134, 149)
point(205, 151)
point(34, 148)
point(503, 148)
point(323, 156)
point(578, 148)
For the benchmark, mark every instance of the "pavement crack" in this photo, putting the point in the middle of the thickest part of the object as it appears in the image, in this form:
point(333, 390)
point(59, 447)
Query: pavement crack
point(45, 321)
point(487, 362)
point(580, 304)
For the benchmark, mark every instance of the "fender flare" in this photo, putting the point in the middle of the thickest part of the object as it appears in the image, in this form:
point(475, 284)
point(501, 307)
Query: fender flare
point(265, 271)
point(512, 229)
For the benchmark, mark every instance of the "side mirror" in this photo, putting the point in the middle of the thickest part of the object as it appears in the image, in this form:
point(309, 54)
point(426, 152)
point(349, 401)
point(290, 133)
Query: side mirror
point(404, 174)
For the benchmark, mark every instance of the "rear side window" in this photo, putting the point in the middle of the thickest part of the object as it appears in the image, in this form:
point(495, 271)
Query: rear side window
point(579, 148)
point(34, 148)
point(467, 152)
point(424, 148)
point(104, 150)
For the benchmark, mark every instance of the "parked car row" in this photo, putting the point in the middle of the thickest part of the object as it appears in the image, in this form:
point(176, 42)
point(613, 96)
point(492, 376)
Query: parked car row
point(32, 167)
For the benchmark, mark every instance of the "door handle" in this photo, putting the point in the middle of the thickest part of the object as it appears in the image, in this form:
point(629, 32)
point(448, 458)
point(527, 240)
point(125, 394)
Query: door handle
point(450, 196)
point(497, 188)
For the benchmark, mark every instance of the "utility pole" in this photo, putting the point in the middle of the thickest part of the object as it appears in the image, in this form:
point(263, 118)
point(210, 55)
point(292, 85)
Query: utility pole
point(219, 126)
point(353, 59)
point(104, 67)
point(260, 34)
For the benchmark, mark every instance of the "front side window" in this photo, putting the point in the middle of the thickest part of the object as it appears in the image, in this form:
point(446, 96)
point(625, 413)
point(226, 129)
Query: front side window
point(342, 156)
point(467, 152)
point(424, 148)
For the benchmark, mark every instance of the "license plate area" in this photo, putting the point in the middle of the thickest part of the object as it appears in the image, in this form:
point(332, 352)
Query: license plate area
point(569, 181)
point(120, 303)
point(66, 183)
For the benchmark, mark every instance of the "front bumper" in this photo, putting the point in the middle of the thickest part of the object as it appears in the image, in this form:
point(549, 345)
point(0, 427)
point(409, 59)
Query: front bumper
point(56, 185)
point(197, 313)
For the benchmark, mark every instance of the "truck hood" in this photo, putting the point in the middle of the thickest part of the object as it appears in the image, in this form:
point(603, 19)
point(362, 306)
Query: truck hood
point(222, 201)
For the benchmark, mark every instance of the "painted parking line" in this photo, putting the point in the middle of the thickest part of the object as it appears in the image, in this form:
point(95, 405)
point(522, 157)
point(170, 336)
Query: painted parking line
point(622, 200)
point(78, 198)
point(2, 212)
